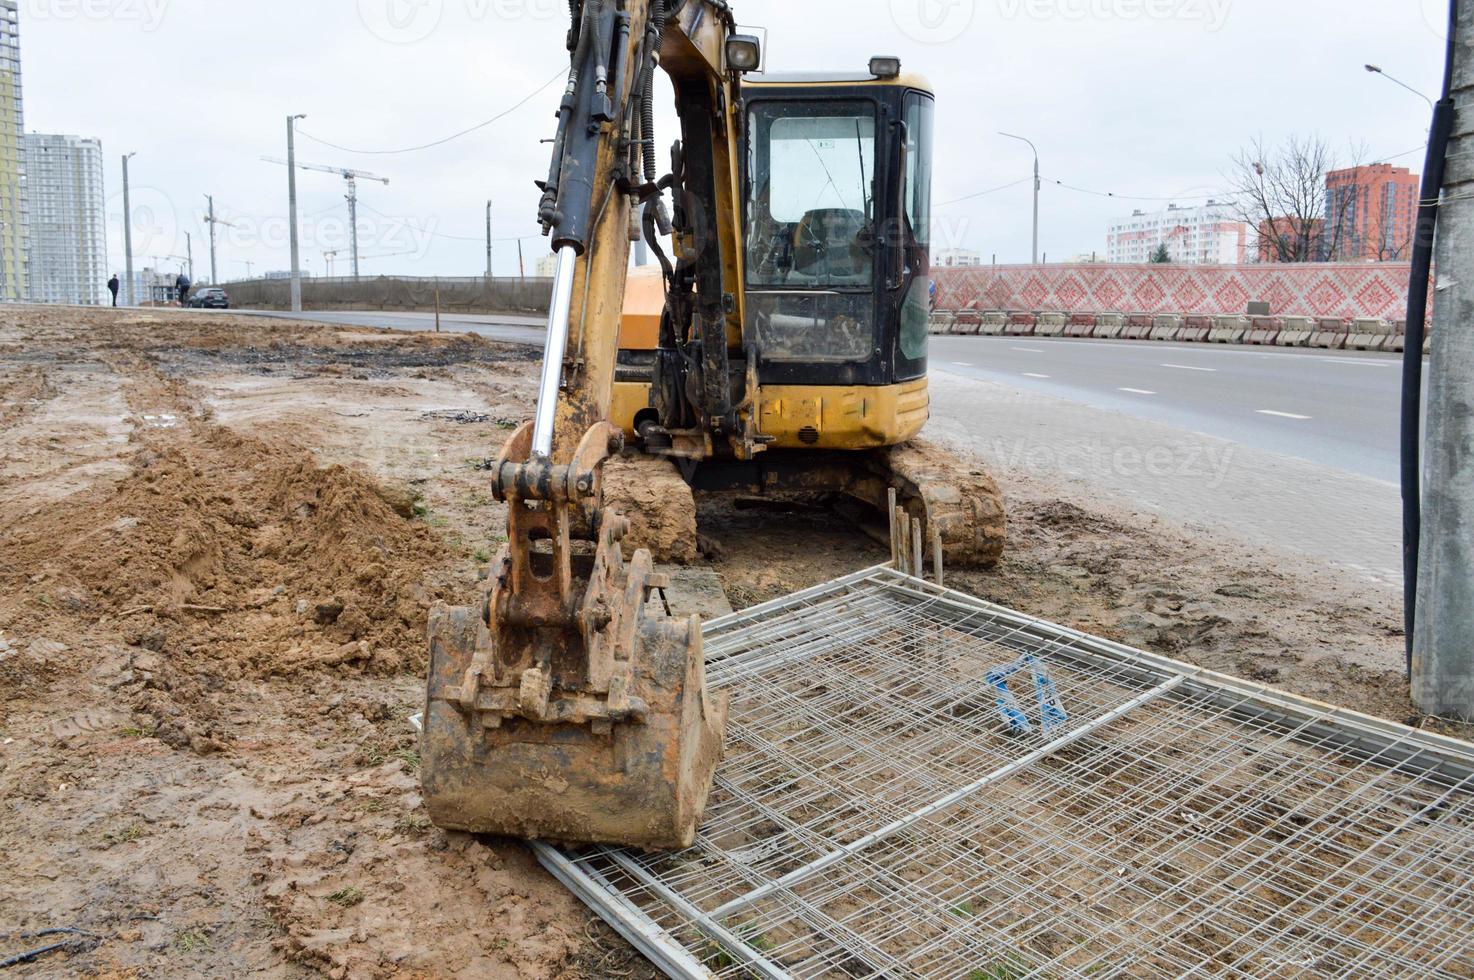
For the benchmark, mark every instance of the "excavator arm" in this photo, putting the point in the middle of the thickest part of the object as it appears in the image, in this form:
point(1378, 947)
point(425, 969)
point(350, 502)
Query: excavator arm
point(568, 705)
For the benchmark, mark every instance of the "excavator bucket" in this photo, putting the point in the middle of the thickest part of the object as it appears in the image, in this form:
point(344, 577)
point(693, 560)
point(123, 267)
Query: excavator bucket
point(569, 705)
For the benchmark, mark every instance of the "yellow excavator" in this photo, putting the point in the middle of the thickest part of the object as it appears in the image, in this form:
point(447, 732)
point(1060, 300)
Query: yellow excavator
point(782, 348)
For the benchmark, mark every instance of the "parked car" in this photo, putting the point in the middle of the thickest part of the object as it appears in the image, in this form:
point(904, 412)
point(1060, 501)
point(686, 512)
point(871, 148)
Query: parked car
point(210, 298)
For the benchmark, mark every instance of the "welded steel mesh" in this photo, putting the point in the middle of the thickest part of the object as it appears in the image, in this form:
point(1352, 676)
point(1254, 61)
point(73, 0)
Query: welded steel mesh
point(878, 814)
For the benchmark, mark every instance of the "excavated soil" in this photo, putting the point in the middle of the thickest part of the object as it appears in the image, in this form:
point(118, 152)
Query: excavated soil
point(219, 538)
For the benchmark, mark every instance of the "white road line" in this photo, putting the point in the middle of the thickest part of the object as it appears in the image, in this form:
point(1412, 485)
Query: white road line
point(1189, 367)
point(1028, 350)
point(1136, 391)
point(1043, 377)
point(961, 364)
point(1285, 415)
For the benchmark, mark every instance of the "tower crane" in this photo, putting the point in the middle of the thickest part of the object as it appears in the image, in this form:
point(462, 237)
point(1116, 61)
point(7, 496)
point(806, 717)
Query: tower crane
point(352, 177)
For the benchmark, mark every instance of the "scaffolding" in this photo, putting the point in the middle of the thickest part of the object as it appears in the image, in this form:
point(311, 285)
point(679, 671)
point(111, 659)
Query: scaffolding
point(921, 784)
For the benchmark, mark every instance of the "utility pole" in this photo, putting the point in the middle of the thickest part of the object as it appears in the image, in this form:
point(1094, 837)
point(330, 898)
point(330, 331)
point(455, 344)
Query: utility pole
point(127, 233)
point(189, 253)
point(353, 221)
point(521, 268)
point(210, 219)
point(488, 239)
point(1037, 186)
point(1443, 633)
point(292, 211)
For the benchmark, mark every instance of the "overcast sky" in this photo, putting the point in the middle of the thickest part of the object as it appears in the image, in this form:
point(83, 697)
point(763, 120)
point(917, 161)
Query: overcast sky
point(1135, 97)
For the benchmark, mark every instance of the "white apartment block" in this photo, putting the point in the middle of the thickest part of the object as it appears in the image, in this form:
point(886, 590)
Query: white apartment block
point(68, 224)
point(956, 258)
point(1207, 235)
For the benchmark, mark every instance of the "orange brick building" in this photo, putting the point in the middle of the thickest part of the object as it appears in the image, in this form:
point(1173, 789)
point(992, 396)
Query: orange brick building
point(1371, 214)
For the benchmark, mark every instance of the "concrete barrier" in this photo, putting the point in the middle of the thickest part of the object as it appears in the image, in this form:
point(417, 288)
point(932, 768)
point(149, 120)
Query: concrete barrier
point(1108, 326)
point(993, 324)
point(1263, 331)
point(942, 323)
point(1166, 326)
point(1368, 334)
point(1297, 332)
point(397, 293)
point(1195, 329)
point(1051, 325)
point(1081, 325)
point(1021, 325)
point(1229, 329)
point(1138, 327)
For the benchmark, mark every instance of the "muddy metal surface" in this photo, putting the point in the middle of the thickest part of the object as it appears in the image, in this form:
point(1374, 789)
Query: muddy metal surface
point(219, 538)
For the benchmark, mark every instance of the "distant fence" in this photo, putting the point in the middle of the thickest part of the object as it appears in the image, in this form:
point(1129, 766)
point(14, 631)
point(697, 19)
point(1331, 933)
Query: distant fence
point(1377, 291)
point(389, 293)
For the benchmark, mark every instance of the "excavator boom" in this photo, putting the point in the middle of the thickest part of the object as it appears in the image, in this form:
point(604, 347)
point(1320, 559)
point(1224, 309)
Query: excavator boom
point(568, 705)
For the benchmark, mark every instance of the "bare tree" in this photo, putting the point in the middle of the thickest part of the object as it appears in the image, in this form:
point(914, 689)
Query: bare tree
point(1281, 194)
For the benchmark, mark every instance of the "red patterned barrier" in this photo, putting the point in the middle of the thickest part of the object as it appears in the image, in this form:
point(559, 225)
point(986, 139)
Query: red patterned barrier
point(1342, 291)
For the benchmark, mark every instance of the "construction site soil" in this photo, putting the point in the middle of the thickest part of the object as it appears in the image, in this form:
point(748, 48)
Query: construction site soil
point(219, 539)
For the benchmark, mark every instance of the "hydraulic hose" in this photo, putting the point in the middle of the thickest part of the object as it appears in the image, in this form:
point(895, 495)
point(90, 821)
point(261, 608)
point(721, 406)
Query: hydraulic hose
point(1417, 314)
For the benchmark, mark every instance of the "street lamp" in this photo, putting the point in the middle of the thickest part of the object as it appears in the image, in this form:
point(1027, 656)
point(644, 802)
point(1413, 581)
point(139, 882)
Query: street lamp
point(1376, 70)
point(292, 211)
point(128, 299)
point(1037, 185)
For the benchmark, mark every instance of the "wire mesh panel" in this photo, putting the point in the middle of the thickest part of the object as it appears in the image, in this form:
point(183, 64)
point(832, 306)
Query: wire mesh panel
point(919, 784)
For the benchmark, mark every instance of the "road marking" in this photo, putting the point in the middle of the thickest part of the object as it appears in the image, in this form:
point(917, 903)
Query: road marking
point(961, 364)
point(1028, 350)
point(1285, 415)
point(1136, 391)
point(1189, 367)
point(1042, 377)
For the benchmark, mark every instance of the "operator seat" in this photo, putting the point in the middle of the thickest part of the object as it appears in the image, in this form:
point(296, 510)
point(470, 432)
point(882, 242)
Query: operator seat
point(826, 247)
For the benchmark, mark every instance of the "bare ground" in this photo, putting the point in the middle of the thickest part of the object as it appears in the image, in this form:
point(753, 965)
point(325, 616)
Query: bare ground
point(218, 541)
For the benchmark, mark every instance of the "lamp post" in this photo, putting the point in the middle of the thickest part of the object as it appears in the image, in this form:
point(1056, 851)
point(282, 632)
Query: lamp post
point(1376, 70)
point(1037, 186)
point(127, 233)
point(292, 211)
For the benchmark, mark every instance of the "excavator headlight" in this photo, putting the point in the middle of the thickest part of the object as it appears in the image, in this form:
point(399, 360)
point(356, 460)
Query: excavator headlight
point(885, 66)
point(744, 53)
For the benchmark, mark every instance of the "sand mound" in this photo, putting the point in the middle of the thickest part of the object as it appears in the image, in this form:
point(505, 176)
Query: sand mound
point(227, 558)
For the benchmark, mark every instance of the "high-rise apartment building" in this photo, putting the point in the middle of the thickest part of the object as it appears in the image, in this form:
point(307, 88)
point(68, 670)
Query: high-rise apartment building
point(1371, 213)
point(13, 223)
point(68, 226)
point(1207, 235)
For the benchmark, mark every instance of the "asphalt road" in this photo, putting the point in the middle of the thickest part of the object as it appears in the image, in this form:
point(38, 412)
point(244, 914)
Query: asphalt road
point(1337, 409)
point(1292, 452)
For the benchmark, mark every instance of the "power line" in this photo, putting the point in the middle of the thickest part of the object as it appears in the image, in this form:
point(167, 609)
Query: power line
point(991, 190)
point(441, 142)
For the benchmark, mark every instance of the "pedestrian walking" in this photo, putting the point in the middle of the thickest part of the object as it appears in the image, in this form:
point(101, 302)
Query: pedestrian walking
point(182, 284)
point(112, 287)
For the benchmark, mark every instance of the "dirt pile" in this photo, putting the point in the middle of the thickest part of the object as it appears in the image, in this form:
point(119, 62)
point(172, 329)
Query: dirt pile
point(226, 558)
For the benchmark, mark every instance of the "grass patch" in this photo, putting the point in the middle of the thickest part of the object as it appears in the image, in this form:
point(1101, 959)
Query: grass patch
point(127, 835)
point(410, 757)
point(133, 731)
point(346, 897)
point(964, 910)
point(191, 941)
point(414, 824)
